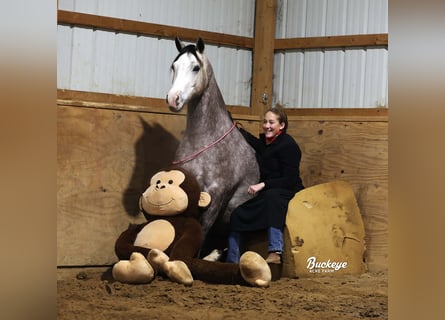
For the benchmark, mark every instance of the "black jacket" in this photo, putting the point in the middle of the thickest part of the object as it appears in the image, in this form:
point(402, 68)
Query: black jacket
point(279, 161)
point(279, 169)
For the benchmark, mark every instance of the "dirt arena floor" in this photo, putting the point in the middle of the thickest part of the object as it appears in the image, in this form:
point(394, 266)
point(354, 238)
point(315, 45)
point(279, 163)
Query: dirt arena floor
point(91, 293)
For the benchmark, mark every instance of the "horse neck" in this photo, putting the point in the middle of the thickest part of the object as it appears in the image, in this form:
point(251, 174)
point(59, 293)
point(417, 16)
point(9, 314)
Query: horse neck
point(207, 114)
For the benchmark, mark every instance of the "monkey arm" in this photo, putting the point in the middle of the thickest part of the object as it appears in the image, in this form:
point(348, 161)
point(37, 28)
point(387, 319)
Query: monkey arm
point(188, 244)
point(124, 245)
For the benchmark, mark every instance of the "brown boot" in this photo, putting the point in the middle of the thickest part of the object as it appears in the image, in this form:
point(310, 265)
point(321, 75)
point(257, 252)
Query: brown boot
point(274, 258)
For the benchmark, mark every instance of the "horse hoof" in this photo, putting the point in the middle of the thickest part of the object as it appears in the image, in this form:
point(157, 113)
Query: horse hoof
point(255, 270)
point(135, 270)
point(215, 255)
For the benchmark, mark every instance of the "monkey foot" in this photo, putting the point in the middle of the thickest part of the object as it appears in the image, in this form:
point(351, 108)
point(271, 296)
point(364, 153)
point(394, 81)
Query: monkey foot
point(157, 259)
point(255, 270)
point(177, 270)
point(135, 270)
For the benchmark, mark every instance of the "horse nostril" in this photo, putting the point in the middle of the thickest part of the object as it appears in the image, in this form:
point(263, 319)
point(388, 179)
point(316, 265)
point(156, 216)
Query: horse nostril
point(177, 100)
point(166, 98)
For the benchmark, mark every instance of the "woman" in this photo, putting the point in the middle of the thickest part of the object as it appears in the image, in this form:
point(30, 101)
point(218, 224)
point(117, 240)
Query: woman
point(279, 159)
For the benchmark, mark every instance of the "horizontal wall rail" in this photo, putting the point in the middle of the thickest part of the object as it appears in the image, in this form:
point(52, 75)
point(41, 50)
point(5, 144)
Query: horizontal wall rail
point(99, 100)
point(170, 32)
point(360, 40)
point(153, 105)
point(150, 29)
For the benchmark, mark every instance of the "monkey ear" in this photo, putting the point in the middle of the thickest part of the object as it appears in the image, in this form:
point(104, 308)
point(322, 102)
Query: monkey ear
point(204, 199)
point(179, 44)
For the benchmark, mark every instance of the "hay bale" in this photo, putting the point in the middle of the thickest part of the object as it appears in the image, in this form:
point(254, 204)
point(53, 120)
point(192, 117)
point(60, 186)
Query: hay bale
point(324, 232)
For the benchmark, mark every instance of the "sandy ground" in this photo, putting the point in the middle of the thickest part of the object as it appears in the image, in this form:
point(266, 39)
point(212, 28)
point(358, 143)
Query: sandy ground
point(91, 293)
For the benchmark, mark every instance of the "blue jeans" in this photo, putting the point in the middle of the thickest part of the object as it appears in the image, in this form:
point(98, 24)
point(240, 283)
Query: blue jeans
point(233, 252)
point(274, 235)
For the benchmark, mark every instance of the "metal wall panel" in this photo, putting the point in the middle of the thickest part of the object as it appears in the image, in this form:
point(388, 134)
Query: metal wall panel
point(225, 16)
point(357, 17)
point(82, 59)
point(376, 78)
point(108, 62)
point(120, 63)
point(233, 70)
point(312, 18)
point(353, 86)
point(378, 16)
point(336, 17)
point(335, 78)
point(315, 18)
point(351, 78)
point(64, 51)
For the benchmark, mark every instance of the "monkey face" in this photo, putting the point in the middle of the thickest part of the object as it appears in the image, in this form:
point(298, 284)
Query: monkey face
point(165, 196)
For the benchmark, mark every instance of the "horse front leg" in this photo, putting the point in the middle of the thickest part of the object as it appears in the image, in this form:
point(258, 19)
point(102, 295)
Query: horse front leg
point(217, 240)
point(210, 216)
point(214, 229)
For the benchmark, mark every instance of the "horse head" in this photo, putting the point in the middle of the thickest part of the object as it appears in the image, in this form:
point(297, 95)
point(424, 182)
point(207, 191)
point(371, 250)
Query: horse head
point(190, 76)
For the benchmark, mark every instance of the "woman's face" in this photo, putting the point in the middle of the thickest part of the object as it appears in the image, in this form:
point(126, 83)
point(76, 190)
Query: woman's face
point(271, 125)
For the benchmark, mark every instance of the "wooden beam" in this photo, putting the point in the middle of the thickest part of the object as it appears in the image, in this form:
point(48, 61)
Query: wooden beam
point(263, 56)
point(151, 29)
point(169, 32)
point(338, 114)
point(111, 101)
point(360, 40)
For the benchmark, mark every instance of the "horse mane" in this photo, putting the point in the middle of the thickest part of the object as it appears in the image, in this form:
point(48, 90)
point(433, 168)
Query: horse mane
point(191, 48)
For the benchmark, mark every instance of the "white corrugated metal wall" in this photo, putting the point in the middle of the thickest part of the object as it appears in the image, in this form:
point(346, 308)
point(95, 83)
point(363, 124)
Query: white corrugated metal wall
point(119, 63)
point(339, 78)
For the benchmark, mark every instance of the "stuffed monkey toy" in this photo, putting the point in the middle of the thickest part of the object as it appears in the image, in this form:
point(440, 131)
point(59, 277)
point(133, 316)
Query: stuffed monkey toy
point(170, 240)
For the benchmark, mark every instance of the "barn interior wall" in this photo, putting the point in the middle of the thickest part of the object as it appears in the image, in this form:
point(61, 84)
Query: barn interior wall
point(106, 157)
point(334, 77)
point(227, 16)
point(316, 78)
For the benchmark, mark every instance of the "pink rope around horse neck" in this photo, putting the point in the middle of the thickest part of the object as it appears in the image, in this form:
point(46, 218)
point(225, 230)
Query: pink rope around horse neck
point(194, 155)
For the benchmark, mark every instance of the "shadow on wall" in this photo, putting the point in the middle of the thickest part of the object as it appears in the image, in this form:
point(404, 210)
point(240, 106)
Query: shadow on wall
point(154, 150)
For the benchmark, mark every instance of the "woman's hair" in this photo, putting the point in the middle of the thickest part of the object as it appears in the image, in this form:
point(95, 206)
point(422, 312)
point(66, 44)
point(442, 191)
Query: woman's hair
point(278, 110)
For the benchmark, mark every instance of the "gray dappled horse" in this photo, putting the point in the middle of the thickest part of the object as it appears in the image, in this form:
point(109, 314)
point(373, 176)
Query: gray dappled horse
point(212, 148)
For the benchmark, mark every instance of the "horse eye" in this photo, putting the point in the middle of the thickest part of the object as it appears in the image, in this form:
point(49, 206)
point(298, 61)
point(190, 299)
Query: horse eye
point(158, 182)
point(170, 181)
point(196, 68)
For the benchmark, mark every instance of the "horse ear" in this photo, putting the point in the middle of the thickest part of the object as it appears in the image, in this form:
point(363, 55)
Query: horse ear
point(179, 44)
point(200, 45)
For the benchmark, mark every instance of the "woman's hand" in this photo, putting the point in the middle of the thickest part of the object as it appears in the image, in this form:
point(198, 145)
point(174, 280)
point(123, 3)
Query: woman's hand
point(253, 189)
